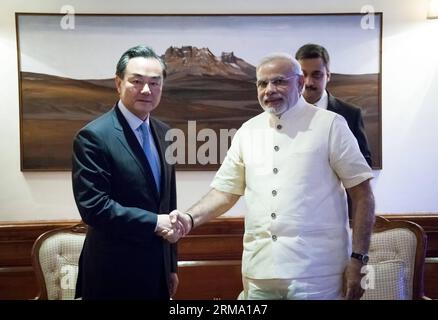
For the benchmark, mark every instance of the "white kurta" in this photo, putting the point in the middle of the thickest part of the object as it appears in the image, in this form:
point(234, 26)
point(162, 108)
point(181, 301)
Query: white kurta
point(292, 172)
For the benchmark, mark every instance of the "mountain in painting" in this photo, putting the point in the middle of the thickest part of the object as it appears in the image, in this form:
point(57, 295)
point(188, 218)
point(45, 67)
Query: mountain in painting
point(218, 92)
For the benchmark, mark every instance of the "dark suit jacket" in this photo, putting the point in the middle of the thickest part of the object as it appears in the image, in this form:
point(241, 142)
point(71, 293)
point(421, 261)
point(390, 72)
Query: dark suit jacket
point(353, 115)
point(115, 193)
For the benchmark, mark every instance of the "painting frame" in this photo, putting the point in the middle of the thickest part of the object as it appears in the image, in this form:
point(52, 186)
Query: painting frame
point(45, 147)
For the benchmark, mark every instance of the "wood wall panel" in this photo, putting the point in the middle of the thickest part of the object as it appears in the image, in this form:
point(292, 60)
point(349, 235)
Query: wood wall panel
point(215, 247)
point(210, 261)
point(16, 240)
point(431, 278)
point(210, 258)
point(17, 279)
point(17, 283)
point(209, 280)
point(429, 222)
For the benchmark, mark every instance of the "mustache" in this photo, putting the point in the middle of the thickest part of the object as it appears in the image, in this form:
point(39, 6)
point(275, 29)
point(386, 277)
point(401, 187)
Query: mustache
point(312, 88)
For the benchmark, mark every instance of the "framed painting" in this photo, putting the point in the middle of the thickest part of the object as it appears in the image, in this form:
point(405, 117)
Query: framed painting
point(67, 65)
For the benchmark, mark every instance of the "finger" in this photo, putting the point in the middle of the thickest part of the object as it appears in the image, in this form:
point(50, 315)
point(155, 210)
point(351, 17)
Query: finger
point(173, 216)
point(353, 293)
point(184, 225)
point(344, 287)
point(171, 290)
point(172, 239)
point(349, 294)
point(163, 232)
point(182, 228)
point(172, 293)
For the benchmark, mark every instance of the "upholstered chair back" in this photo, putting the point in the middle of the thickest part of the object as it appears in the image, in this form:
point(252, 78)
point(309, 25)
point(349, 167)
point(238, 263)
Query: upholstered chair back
point(55, 257)
point(396, 266)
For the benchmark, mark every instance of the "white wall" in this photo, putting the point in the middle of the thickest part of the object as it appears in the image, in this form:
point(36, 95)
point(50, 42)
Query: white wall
point(408, 182)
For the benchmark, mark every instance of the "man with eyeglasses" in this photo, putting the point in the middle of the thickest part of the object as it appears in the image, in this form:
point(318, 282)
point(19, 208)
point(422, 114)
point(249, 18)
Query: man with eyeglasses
point(293, 163)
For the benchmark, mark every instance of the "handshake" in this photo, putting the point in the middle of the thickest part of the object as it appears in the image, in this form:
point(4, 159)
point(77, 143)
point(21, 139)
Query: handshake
point(174, 226)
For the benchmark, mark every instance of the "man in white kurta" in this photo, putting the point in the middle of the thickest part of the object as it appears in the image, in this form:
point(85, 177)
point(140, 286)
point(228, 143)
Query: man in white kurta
point(292, 171)
point(292, 163)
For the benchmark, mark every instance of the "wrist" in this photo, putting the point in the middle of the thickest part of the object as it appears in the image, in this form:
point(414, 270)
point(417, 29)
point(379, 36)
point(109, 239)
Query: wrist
point(192, 221)
point(158, 226)
point(360, 257)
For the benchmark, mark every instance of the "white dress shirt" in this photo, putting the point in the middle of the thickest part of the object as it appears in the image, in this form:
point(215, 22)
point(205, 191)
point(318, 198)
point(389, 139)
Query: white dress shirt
point(135, 123)
point(323, 101)
point(292, 172)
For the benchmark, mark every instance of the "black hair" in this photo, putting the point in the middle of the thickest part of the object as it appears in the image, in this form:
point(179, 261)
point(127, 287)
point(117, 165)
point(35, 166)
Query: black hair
point(134, 52)
point(311, 51)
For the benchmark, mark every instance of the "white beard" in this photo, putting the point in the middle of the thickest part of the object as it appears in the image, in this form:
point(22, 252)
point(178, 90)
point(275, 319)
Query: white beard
point(277, 111)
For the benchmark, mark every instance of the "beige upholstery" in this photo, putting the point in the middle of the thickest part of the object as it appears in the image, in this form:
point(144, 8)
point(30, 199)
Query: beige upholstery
point(396, 266)
point(55, 257)
point(397, 254)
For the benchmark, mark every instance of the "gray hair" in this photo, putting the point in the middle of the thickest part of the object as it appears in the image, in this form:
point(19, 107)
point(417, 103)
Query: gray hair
point(134, 52)
point(296, 67)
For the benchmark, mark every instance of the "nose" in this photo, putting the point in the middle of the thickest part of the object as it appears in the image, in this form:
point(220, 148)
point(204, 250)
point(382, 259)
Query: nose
point(146, 89)
point(270, 87)
point(309, 81)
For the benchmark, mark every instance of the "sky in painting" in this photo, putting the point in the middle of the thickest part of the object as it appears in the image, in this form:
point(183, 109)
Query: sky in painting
point(92, 49)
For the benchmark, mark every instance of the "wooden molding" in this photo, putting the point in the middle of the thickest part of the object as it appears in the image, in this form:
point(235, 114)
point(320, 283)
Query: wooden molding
point(210, 257)
point(429, 223)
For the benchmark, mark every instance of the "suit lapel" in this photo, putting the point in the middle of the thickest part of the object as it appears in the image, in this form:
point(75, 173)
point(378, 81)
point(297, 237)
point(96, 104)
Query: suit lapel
point(128, 139)
point(332, 104)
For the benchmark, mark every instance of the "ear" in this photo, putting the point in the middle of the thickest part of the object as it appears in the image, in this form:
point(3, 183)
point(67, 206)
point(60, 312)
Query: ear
point(300, 83)
point(118, 82)
point(329, 75)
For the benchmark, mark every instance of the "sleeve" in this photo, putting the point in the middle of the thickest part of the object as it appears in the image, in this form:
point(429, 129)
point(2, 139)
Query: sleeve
point(230, 177)
point(91, 178)
point(345, 156)
point(361, 138)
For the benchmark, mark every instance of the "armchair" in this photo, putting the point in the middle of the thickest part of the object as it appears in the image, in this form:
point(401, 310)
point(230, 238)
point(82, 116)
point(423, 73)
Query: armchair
point(396, 266)
point(55, 256)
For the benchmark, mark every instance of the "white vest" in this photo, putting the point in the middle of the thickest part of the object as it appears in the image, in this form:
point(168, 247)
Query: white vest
point(292, 170)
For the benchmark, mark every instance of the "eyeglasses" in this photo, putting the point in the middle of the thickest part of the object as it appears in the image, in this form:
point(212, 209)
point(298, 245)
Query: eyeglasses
point(276, 82)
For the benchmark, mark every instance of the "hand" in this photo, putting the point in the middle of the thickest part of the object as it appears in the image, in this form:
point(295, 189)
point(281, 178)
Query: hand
point(352, 288)
point(181, 225)
point(184, 221)
point(168, 227)
point(163, 223)
point(173, 284)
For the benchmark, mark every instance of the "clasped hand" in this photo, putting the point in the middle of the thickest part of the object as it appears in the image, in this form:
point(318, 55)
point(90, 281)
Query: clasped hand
point(173, 226)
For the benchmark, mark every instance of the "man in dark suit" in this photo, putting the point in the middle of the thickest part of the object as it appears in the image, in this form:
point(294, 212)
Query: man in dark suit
point(315, 63)
point(122, 185)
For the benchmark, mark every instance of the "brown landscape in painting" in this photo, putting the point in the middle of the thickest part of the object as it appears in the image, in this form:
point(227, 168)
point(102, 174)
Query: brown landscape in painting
point(217, 92)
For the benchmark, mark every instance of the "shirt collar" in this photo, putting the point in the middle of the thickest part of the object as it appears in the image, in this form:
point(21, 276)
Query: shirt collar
point(323, 101)
point(133, 121)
